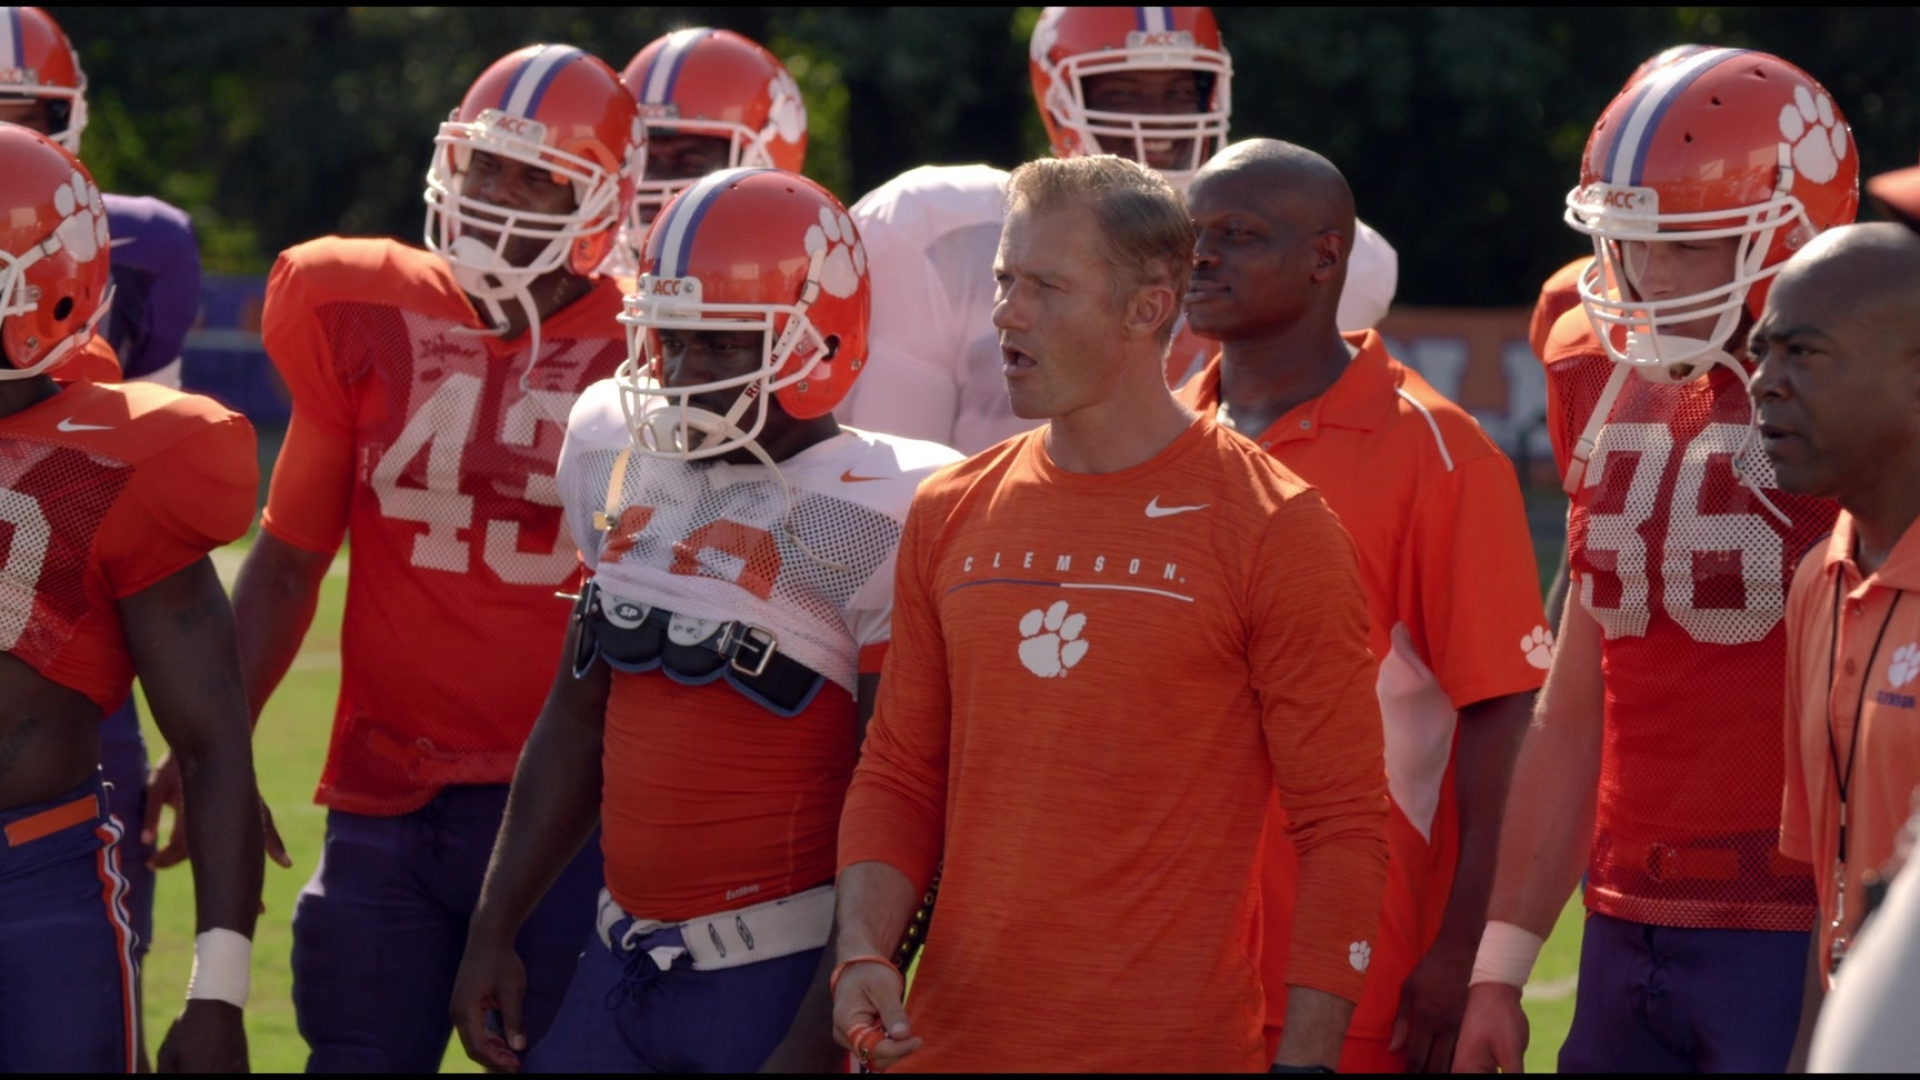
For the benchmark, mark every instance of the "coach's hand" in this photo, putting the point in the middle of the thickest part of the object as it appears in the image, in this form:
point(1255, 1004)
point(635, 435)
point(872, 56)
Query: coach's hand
point(207, 1037)
point(1493, 1033)
point(871, 996)
point(1432, 1001)
point(164, 789)
point(492, 981)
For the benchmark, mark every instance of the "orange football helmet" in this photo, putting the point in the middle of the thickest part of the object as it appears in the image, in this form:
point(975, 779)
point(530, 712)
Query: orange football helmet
point(745, 249)
point(37, 62)
point(1722, 143)
point(1071, 43)
point(717, 83)
point(54, 286)
point(550, 105)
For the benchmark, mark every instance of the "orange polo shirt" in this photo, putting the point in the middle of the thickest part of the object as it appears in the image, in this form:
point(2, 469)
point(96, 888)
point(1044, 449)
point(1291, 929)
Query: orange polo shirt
point(1096, 683)
point(1453, 599)
point(1826, 683)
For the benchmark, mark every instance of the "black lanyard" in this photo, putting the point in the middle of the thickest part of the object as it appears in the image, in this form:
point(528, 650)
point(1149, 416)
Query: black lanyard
point(1844, 779)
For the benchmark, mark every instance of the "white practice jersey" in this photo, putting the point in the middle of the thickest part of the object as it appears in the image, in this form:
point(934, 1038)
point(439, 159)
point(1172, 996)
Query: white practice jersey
point(936, 373)
point(715, 541)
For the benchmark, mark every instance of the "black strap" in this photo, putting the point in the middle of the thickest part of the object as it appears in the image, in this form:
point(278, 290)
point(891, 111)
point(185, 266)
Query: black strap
point(1843, 778)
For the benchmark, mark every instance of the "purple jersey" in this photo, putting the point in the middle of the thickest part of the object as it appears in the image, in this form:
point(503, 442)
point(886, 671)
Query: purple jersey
point(156, 282)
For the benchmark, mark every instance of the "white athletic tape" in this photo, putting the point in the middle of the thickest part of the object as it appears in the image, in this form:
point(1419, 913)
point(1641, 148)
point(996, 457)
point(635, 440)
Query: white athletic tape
point(1506, 955)
point(222, 968)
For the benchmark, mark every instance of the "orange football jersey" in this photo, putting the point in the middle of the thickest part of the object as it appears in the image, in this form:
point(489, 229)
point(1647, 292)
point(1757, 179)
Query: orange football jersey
point(105, 490)
point(1686, 573)
point(410, 430)
point(1453, 599)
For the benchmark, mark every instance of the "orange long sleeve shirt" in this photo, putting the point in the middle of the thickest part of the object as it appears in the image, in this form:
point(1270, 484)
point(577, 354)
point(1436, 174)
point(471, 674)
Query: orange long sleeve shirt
point(1095, 683)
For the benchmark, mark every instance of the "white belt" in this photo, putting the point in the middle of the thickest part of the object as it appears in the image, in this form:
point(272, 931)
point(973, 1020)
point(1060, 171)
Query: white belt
point(730, 939)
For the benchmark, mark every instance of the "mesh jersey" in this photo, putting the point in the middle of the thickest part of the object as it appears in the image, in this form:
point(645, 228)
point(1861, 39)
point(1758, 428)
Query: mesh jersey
point(410, 428)
point(712, 801)
point(931, 234)
point(156, 284)
point(1686, 573)
point(105, 490)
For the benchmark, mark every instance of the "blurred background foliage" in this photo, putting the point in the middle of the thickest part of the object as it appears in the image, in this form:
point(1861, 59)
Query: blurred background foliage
point(1459, 128)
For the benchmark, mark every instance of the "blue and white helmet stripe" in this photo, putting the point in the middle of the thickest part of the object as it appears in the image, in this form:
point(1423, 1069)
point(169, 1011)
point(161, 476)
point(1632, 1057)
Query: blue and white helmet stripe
point(1152, 19)
point(1655, 94)
point(663, 71)
point(684, 217)
point(522, 95)
point(11, 54)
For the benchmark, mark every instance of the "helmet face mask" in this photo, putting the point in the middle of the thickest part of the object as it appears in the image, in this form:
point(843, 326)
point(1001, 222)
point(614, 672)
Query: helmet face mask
point(41, 65)
point(1718, 144)
point(1072, 45)
point(744, 250)
point(557, 109)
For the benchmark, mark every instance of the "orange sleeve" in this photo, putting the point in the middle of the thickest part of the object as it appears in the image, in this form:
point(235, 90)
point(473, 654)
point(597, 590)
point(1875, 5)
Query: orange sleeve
point(1315, 679)
point(313, 476)
point(182, 503)
point(1796, 828)
point(1475, 583)
point(896, 808)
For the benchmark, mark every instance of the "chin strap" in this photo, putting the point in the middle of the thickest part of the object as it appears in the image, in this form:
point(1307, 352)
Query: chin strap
point(1610, 395)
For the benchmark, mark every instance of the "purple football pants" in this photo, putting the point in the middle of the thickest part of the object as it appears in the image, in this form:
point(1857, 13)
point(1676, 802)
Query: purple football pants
point(67, 969)
point(123, 765)
point(378, 932)
point(624, 1014)
point(1666, 999)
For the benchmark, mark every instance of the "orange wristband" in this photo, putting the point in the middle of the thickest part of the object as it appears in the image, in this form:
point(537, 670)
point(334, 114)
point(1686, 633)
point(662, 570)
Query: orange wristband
point(833, 981)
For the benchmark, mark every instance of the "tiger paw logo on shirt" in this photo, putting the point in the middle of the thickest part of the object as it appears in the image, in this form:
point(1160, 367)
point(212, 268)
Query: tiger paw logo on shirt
point(1050, 640)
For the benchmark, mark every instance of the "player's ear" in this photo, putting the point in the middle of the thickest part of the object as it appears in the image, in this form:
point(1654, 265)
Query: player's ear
point(1152, 307)
point(1329, 254)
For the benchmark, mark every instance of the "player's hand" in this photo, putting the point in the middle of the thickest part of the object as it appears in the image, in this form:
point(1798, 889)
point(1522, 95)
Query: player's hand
point(1432, 1001)
point(1493, 1032)
point(869, 997)
point(487, 995)
point(164, 789)
point(207, 1037)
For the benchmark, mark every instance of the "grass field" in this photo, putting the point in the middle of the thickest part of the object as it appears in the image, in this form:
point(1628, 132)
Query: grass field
point(289, 747)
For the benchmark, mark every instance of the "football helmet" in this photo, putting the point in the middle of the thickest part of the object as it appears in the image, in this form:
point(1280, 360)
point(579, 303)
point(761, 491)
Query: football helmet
point(1722, 143)
point(745, 249)
point(54, 285)
point(548, 105)
point(1071, 43)
point(38, 63)
point(715, 83)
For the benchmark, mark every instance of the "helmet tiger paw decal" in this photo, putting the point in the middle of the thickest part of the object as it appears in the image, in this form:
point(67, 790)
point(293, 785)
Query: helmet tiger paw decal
point(1814, 135)
point(846, 259)
point(1051, 641)
point(788, 115)
point(83, 219)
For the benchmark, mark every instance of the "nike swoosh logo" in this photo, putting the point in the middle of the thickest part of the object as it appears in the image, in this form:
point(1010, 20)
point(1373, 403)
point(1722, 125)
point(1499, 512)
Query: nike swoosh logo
point(120, 241)
point(1155, 510)
point(848, 478)
point(69, 425)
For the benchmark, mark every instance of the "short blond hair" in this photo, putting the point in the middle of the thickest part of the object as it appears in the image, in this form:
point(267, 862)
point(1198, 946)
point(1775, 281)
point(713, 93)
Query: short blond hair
point(1146, 235)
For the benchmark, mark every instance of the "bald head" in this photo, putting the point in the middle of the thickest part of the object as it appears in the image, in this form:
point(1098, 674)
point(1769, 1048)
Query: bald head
point(1838, 386)
point(1274, 225)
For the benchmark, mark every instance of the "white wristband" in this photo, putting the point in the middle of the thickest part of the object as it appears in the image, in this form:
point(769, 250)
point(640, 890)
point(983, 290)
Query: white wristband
point(1506, 955)
point(222, 968)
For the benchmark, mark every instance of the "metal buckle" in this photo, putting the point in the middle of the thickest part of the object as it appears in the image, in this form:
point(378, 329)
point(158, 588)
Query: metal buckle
point(767, 643)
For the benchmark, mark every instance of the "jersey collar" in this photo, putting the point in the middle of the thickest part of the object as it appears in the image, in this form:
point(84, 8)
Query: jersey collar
point(1900, 571)
point(1361, 399)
